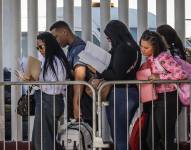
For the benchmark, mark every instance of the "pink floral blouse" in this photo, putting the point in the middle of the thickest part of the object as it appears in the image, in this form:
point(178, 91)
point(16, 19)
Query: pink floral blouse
point(173, 71)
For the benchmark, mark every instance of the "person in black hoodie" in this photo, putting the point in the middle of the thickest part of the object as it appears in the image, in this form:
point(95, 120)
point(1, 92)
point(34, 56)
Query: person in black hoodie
point(125, 61)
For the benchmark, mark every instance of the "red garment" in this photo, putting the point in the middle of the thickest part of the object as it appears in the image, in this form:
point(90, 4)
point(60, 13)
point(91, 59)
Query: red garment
point(146, 65)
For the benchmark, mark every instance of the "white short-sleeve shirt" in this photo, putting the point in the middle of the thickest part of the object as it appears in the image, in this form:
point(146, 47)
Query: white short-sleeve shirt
point(50, 77)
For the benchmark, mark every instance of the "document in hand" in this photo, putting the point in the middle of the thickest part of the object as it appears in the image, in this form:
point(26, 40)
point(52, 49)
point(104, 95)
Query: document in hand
point(95, 56)
point(34, 67)
point(30, 69)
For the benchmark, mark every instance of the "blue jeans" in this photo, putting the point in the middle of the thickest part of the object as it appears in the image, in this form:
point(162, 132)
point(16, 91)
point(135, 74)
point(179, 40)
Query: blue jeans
point(48, 135)
point(121, 126)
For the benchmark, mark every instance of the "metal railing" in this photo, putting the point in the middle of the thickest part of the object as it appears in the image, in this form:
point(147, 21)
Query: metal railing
point(182, 128)
point(99, 117)
point(16, 140)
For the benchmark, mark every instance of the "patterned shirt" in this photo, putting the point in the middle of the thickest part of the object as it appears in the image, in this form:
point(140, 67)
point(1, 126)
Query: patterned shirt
point(173, 71)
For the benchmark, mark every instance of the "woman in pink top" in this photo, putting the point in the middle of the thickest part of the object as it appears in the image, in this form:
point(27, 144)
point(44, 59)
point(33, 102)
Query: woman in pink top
point(163, 67)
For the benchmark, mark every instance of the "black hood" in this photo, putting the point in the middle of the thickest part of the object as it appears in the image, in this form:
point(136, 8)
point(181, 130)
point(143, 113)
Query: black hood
point(118, 33)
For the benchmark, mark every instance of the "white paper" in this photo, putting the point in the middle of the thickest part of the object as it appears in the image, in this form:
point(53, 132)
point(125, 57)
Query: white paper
point(95, 56)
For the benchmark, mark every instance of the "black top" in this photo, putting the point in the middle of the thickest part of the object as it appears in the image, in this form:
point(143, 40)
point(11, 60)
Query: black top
point(177, 52)
point(123, 57)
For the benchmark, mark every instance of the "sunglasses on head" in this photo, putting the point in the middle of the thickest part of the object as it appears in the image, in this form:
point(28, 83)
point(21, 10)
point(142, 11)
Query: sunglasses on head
point(39, 47)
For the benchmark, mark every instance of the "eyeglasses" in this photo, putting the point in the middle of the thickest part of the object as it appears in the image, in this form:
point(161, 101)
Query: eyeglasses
point(39, 47)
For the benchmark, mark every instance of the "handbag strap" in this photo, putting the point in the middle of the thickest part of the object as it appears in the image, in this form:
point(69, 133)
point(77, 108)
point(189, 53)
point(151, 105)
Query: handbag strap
point(134, 64)
point(159, 66)
point(30, 89)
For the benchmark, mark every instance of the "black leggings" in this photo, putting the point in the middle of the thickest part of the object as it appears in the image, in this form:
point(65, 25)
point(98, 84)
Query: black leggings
point(159, 122)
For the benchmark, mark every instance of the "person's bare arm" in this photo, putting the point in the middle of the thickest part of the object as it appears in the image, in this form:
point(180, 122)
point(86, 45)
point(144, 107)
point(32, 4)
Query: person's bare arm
point(79, 75)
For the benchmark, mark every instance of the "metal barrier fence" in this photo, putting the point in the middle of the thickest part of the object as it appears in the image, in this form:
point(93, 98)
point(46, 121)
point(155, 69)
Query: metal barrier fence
point(99, 118)
point(64, 127)
point(183, 123)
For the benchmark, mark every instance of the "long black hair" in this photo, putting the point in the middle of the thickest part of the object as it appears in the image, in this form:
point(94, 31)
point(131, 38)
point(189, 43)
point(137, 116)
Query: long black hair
point(118, 33)
point(172, 39)
point(155, 40)
point(52, 50)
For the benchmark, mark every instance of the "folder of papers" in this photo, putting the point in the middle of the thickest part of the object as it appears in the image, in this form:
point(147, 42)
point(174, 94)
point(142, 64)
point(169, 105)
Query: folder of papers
point(95, 56)
point(32, 71)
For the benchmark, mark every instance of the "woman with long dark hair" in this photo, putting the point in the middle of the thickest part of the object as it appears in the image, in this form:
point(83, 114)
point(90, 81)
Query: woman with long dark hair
point(125, 61)
point(54, 68)
point(160, 131)
point(174, 44)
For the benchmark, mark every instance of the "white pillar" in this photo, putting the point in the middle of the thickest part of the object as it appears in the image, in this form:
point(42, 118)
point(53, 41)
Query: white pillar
point(123, 11)
point(179, 11)
point(32, 26)
point(104, 19)
point(69, 12)
point(6, 26)
point(1, 38)
point(50, 13)
point(86, 20)
point(161, 12)
point(32, 35)
point(2, 116)
point(14, 41)
point(142, 10)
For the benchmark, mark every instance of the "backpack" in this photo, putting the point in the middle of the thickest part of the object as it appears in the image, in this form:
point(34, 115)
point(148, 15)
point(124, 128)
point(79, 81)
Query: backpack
point(185, 65)
point(76, 136)
point(183, 88)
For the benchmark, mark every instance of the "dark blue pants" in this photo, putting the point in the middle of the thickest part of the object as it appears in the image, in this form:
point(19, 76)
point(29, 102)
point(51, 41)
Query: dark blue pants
point(121, 126)
point(47, 120)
